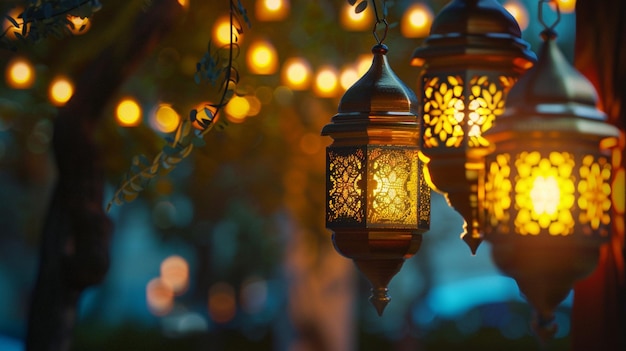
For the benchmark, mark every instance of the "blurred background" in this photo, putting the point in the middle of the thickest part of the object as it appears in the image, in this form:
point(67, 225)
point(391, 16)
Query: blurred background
point(229, 251)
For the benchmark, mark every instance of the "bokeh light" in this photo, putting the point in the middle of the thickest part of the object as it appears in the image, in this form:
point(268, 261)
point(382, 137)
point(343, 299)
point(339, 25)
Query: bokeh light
point(518, 11)
point(253, 294)
point(237, 109)
point(296, 73)
point(363, 64)
point(128, 112)
point(416, 21)
point(326, 82)
point(350, 20)
point(222, 32)
point(61, 91)
point(272, 10)
point(348, 77)
point(222, 305)
point(20, 73)
point(165, 119)
point(262, 58)
point(566, 6)
point(175, 273)
point(159, 297)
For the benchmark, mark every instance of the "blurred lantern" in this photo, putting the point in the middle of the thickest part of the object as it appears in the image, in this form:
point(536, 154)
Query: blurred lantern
point(271, 10)
point(416, 21)
point(471, 58)
point(262, 58)
point(377, 198)
point(548, 187)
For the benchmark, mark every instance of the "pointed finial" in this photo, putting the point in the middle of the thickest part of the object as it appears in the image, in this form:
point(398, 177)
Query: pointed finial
point(380, 299)
point(544, 328)
point(473, 240)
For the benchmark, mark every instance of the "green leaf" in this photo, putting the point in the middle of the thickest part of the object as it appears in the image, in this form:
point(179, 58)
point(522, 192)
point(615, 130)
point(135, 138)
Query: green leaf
point(351, 2)
point(13, 21)
point(361, 6)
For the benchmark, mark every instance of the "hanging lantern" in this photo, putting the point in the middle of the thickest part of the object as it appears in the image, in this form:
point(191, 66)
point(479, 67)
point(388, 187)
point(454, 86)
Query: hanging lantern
point(377, 196)
point(470, 60)
point(548, 185)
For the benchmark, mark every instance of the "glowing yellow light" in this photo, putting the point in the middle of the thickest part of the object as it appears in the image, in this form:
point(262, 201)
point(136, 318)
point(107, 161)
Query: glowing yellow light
point(61, 90)
point(545, 195)
point(20, 74)
point(165, 119)
point(254, 105)
point(348, 77)
point(203, 119)
point(351, 20)
point(416, 21)
point(296, 73)
point(262, 58)
point(184, 3)
point(619, 189)
point(78, 23)
point(175, 273)
point(159, 296)
point(222, 32)
point(519, 12)
point(237, 109)
point(326, 82)
point(128, 113)
point(222, 304)
point(272, 10)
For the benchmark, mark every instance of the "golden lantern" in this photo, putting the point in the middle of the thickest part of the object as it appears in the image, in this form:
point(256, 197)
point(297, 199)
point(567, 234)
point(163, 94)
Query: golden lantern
point(548, 185)
point(377, 196)
point(470, 60)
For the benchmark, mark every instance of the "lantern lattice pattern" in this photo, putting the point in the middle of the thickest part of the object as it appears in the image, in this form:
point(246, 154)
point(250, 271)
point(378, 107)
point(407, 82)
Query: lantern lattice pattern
point(471, 59)
point(377, 195)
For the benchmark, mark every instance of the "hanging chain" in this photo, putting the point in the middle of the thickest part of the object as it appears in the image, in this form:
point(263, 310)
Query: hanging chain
point(549, 28)
point(380, 20)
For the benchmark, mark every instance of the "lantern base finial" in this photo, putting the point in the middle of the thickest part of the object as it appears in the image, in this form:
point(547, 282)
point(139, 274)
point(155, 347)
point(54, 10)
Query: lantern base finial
point(544, 327)
point(380, 299)
point(473, 240)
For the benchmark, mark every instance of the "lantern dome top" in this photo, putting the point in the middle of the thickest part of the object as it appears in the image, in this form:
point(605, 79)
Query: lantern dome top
point(378, 107)
point(475, 34)
point(470, 17)
point(379, 90)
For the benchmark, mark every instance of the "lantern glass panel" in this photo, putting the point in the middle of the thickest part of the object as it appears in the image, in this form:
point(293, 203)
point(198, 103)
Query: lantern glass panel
point(345, 194)
point(555, 193)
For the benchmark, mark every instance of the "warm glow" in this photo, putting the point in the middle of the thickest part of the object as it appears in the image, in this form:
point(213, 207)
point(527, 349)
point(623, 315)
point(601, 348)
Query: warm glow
point(20, 74)
point(78, 23)
point(566, 6)
point(545, 195)
point(237, 109)
point(262, 58)
point(205, 115)
point(351, 20)
point(175, 273)
point(326, 82)
point(272, 10)
point(348, 77)
point(363, 64)
point(296, 73)
point(416, 21)
point(165, 119)
point(128, 113)
point(160, 297)
point(222, 32)
point(61, 90)
point(11, 30)
point(222, 305)
point(519, 12)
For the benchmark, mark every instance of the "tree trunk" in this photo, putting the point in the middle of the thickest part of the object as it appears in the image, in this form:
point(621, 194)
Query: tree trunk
point(599, 311)
point(75, 240)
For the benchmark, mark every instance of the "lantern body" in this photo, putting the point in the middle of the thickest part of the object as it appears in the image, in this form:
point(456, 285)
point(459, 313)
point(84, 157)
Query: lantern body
point(548, 183)
point(378, 199)
point(471, 59)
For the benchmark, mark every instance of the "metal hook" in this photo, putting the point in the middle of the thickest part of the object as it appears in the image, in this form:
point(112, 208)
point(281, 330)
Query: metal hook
point(558, 15)
point(375, 31)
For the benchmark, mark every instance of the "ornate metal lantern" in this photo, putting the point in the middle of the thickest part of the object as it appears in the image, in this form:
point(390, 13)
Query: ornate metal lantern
point(471, 59)
point(548, 186)
point(377, 196)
